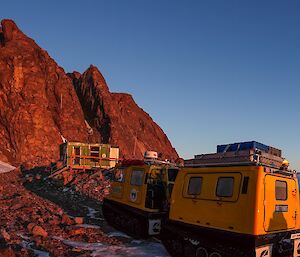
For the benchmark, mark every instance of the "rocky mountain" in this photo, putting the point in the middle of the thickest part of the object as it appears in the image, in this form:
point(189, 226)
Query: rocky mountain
point(118, 119)
point(40, 104)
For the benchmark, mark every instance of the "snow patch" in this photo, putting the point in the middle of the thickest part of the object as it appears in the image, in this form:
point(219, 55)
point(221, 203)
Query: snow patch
point(144, 249)
point(118, 234)
point(38, 253)
point(87, 226)
point(136, 242)
point(80, 245)
point(5, 167)
point(92, 213)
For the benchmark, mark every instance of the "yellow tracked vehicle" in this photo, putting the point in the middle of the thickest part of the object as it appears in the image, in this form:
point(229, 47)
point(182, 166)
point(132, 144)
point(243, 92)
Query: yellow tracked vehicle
point(239, 203)
point(140, 193)
point(242, 201)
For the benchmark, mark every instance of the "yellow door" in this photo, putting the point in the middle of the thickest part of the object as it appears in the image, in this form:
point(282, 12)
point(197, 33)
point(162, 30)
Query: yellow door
point(280, 203)
point(117, 186)
point(136, 186)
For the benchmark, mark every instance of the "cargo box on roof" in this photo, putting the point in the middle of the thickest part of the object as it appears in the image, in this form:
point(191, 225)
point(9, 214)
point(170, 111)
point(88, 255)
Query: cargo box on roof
point(234, 158)
point(252, 152)
point(251, 145)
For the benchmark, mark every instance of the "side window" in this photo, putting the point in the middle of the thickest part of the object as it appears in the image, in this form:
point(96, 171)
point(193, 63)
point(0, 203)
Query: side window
point(172, 174)
point(225, 187)
point(137, 178)
point(195, 185)
point(119, 175)
point(281, 190)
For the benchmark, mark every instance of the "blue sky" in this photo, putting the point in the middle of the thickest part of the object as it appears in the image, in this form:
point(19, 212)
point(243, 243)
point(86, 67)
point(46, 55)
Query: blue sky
point(208, 72)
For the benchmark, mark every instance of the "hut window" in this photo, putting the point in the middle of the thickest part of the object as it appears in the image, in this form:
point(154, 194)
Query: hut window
point(77, 155)
point(95, 153)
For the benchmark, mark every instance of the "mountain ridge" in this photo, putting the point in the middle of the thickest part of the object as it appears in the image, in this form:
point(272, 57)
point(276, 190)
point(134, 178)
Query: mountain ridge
point(40, 104)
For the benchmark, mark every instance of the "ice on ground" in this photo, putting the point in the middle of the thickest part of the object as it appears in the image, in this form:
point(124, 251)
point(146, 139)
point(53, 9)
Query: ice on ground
point(136, 242)
point(38, 253)
point(87, 226)
point(5, 167)
point(147, 249)
point(92, 213)
point(144, 249)
point(80, 245)
point(118, 234)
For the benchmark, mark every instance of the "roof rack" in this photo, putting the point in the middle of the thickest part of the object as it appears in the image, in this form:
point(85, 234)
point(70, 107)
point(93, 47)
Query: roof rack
point(159, 162)
point(242, 157)
point(290, 173)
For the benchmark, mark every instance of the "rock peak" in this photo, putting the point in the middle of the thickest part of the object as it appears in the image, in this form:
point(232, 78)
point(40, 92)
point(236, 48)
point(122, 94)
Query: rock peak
point(10, 30)
point(96, 78)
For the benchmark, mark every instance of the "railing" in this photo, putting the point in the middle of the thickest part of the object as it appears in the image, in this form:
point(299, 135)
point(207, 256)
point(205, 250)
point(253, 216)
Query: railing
point(89, 162)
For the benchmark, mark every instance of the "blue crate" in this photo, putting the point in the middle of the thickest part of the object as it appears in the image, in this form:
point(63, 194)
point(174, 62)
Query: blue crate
point(242, 146)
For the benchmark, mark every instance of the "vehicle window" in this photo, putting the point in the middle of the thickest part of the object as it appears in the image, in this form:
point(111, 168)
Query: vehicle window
point(195, 185)
point(281, 190)
point(225, 186)
point(137, 177)
point(172, 174)
point(245, 185)
point(119, 175)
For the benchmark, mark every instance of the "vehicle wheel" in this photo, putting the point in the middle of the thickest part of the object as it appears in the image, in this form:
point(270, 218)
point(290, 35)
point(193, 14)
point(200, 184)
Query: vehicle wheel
point(188, 249)
point(215, 254)
point(201, 252)
point(174, 247)
point(138, 229)
point(118, 221)
point(108, 214)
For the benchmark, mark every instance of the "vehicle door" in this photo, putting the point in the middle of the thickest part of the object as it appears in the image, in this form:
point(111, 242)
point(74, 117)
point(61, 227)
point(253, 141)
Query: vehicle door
point(280, 203)
point(136, 185)
point(118, 181)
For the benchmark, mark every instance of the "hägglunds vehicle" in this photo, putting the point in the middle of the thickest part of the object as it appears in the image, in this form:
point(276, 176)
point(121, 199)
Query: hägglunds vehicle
point(242, 201)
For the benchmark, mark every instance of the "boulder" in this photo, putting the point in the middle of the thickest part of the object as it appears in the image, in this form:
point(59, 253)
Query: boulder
point(78, 220)
point(36, 230)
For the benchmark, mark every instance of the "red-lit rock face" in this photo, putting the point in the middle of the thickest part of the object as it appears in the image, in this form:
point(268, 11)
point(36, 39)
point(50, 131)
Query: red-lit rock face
point(38, 102)
point(119, 120)
point(38, 105)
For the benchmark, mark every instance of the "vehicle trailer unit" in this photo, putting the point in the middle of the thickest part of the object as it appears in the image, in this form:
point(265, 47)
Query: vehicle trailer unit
point(242, 202)
point(232, 205)
point(233, 211)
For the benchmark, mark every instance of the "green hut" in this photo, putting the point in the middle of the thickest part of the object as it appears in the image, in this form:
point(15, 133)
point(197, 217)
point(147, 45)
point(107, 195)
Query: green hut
point(76, 155)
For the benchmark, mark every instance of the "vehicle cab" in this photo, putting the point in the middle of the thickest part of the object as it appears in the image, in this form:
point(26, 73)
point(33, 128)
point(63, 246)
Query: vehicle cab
point(140, 195)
